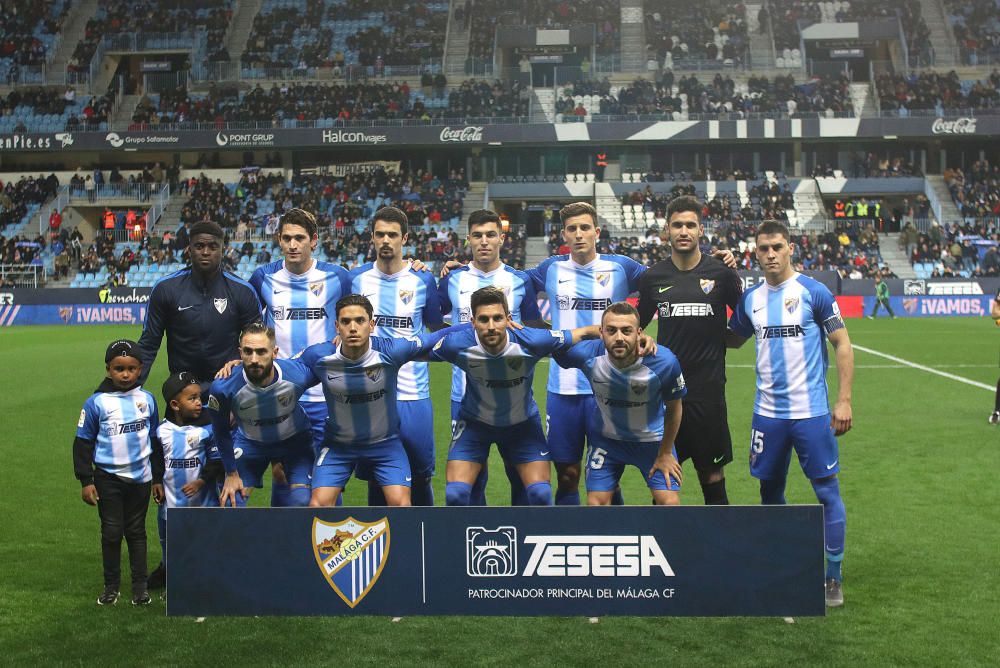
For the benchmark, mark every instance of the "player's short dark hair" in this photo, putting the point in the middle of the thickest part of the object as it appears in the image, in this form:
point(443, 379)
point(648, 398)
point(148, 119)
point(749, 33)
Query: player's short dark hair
point(258, 327)
point(206, 227)
point(621, 308)
point(390, 214)
point(683, 204)
point(299, 217)
point(771, 226)
point(355, 300)
point(577, 209)
point(484, 216)
point(487, 296)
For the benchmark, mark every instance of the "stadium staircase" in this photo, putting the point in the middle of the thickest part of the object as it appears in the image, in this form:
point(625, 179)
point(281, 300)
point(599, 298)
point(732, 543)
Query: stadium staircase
point(456, 49)
point(942, 36)
point(122, 116)
point(240, 26)
point(72, 32)
point(543, 105)
point(761, 43)
point(609, 208)
point(862, 99)
point(809, 212)
point(888, 248)
point(633, 37)
point(949, 211)
point(535, 251)
point(475, 197)
point(170, 219)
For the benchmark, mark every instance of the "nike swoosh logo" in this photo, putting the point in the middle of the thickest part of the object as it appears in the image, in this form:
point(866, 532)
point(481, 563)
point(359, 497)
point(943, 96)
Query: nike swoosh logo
point(544, 454)
point(277, 292)
point(829, 549)
point(759, 309)
point(329, 377)
point(662, 290)
point(184, 308)
point(408, 478)
point(565, 280)
point(716, 460)
point(246, 406)
point(465, 292)
point(831, 466)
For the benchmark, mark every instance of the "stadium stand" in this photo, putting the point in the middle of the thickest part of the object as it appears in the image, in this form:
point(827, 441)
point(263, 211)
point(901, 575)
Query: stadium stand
point(52, 110)
point(976, 24)
point(930, 91)
point(28, 32)
point(681, 35)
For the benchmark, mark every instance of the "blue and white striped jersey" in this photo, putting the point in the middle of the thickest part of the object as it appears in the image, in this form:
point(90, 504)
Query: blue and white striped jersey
point(185, 451)
point(301, 307)
point(265, 415)
point(630, 400)
point(789, 322)
point(361, 394)
point(404, 303)
point(455, 294)
point(498, 389)
point(121, 425)
point(578, 295)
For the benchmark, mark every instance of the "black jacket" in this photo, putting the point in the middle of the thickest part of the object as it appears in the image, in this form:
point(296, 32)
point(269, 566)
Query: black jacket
point(202, 321)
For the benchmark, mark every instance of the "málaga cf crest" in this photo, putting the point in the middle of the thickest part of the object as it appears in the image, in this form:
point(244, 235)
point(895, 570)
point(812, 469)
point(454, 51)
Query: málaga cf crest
point(351, 555)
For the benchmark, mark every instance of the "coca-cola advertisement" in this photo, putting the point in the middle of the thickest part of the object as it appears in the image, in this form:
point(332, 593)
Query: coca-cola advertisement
point(959, 126)
point(470, 133)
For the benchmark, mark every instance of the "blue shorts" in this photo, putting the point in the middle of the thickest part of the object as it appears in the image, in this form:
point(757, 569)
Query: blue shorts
point(568, 420)
point(772, 440)
point(253, 458)
point(385, 461)
point(316, 411)
point(416, 431)
point(607, 459)
point(518, 444)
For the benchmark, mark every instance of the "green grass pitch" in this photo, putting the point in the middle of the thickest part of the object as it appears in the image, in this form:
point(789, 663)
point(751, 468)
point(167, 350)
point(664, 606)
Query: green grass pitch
point(918, 478)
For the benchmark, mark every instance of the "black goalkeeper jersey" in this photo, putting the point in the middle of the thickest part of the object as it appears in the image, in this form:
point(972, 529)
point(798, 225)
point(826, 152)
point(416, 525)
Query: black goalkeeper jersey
point(691, 308)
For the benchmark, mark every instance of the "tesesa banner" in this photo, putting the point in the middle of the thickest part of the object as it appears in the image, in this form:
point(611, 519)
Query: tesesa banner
point(706, 561)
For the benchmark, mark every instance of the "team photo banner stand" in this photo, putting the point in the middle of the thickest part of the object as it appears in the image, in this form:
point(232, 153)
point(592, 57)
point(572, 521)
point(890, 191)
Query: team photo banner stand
point(573, 561)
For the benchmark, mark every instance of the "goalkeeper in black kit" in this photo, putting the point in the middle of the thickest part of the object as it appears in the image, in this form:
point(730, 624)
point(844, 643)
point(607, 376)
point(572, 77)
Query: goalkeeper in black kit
point(689, 293)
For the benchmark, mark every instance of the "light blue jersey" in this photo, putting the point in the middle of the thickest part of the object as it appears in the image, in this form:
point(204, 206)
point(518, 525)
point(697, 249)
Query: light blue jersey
point(404, 304)
point(185, 451)
point(498, 392)
point(789, 322)
point(630, 400)
point(301, 308)
point(266, 415)
point(578, 295)
point(361, 394)
point(122, 426)
point(455, 294)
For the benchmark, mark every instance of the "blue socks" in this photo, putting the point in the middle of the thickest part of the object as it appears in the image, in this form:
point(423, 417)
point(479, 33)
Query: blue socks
point(298, 495)
point(457, 493)
point(518, 495)
point(617, 499)
point(479, 489)
point(772, 492)
point(567, 498)
point(280, 495)
point(540, 494)
point(834, 522)
point(421, 493)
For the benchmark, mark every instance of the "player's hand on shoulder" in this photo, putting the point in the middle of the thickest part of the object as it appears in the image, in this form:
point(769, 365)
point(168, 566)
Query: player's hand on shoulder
point(647, 345)
point(158, 495)
point(227, 369)
point(726, 256)
point(450, 266)
point(841, 418)
point(418, 265)
point(89, 495)
point(514, 325)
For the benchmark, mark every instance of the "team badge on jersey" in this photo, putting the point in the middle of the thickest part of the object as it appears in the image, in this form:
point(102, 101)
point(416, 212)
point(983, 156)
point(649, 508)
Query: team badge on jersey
point(191, 438)
point(639, 388)
point(373, 373)
point(406, 296)
point(602, 277)
point(221, 304)
point(141, 407)
point(286, 400)
point(316, 288)
point(515, 363)
point(707, 285)
point(791, 303)
point(351, 555)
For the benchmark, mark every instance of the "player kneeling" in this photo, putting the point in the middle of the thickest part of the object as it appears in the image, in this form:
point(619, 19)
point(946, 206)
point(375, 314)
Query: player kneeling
point(639, 408)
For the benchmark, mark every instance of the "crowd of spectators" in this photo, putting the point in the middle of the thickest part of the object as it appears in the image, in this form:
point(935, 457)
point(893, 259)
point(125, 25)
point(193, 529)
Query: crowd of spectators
point(976, 24)
point(16, 197)
point(966, 249)
point(721, 95)
point(763, 199)
point(483, 16)
point(936, 92)
point(21, 24)
point(976, 191)
point(699, 32)
point(56, 102)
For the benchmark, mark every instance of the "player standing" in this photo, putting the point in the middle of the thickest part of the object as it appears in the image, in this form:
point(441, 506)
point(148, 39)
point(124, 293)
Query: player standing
point(485, 238)
point(580, 286)
point(995, 314)
point(639, 399)
point(791, 316)
point(689, 293)
point(404, 302)
point(299, 294)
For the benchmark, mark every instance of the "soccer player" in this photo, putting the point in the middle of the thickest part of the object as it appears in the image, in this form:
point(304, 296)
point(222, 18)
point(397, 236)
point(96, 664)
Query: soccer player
point(498, 405)
point(299, 294)
point(580, 286)
point(995, 314)
point(639, 399)
point(118, 460)
point(485, 239)
point(271, 426)
point(404, 302)
point(689, 293)
point(360, 379)
point(791, 316)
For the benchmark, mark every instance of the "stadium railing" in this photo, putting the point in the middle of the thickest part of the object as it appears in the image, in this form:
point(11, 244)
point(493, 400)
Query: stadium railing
point(22, 275)
point(237, 71)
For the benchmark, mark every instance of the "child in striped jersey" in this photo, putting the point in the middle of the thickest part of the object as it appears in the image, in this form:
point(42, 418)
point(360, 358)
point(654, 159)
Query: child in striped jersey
point(191, 460)
point(118, 460)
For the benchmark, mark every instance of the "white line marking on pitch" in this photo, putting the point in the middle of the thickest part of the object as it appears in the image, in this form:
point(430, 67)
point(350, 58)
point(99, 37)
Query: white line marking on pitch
point(928, 369)
point(888, 366)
